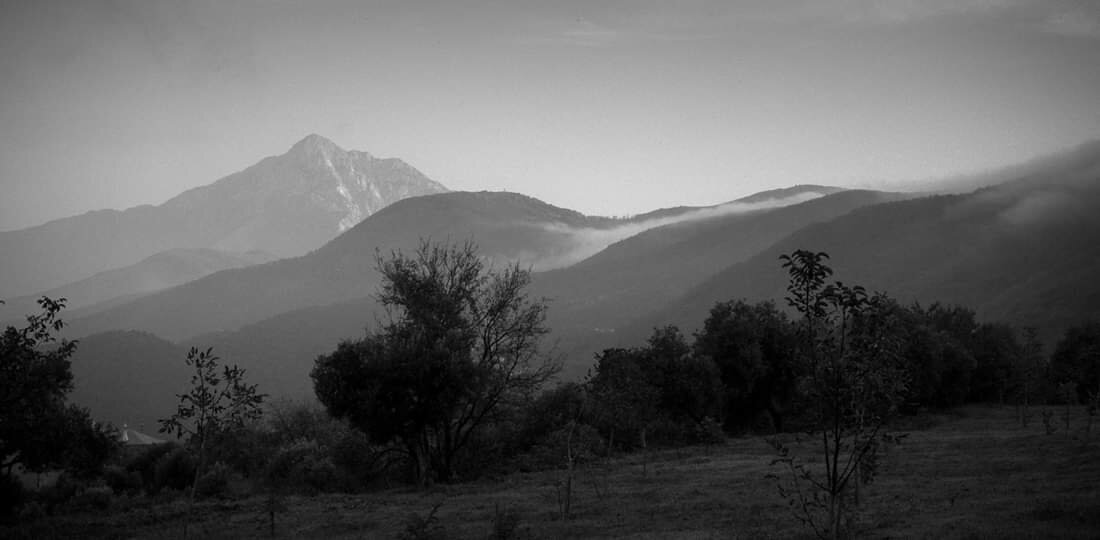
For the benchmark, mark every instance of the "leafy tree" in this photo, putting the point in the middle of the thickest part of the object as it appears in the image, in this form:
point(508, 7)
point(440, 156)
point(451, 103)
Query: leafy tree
point(624, 397)
point(35, 377)
point(219, 399)
point(461, 343)
point(852, 382)
point(1028, 367)
point(752, 346)
point(996, 351)
point(690, 386)
point(1076, 360)
point(955, 328)
point(38, 429)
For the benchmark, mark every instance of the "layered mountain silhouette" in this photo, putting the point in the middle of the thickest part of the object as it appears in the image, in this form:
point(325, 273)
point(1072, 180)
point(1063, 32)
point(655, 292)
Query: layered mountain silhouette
point(645, 272)
point(114, 287)
point(279, 351)
point(1023, 251)
point(129, 378)
point(286, 205)
point(507, 227)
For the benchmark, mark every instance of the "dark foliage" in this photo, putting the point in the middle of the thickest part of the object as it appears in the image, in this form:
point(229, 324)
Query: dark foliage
point(38, 429)
point(462, 344)
point(1076, 359)
point(752, 347)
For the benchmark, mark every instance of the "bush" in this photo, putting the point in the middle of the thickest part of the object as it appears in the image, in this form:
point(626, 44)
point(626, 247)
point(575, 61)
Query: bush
point(175, 470)
point(357, 459)
point(145, 464)
point(214, 482)
point(550, 453)
point(61, 492)
point(423, 528)
point(91, 499)
point(304, 465)
point(12, 495)
point(244, 449)
point(120, 480)
point(505, 524)
point(666, 431)
point(709, 431)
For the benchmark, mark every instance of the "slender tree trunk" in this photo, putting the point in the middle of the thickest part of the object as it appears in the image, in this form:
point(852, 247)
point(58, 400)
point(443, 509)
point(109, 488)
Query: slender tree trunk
point(419, 463)
point(1027, 399)
point(195, 482)
point(569, 462)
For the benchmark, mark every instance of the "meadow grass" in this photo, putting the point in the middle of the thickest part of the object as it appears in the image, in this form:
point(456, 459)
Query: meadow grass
point(974, 473)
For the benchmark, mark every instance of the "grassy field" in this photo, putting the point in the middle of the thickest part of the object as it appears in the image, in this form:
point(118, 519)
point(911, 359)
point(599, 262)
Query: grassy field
point(972, 474)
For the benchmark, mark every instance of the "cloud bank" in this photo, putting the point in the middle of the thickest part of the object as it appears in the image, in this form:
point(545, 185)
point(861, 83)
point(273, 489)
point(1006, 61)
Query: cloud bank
point(582, 243)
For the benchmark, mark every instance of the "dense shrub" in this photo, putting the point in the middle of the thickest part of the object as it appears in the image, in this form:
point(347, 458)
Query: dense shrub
point(60, 492)
point(90, 500)
point(505, 524)
point(174, 470)
point(708, 431)
point(121, 480)
point(145, 464)
point(214, 481)
point(304, 465)
point(425, 527)
point(582, 440)
point(12, 495)
point(359, 461)
point(244, 449)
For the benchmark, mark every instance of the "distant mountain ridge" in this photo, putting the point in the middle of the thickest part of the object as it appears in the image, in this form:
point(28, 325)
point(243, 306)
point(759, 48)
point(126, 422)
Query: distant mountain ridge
point(1025, 252)
point(156, 272)
point(646, 271)
point(286, 205)
point(274, 319)
point(506, 226)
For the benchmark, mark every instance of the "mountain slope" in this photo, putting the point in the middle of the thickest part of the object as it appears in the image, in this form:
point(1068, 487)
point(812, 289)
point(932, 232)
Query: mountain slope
point(285, 205)
point(506, 226)
point(1026, 252)
point(279, 350)
point(129, 377)
point(648, 270)
point(157, 272)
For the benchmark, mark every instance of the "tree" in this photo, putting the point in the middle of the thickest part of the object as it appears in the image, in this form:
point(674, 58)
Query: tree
point(624, 398)
point(751, 346)
point(1029, 364)
point(852, 381)
point(996, 352)
point(1076, 360)
point(462, 341)
point(218, 400)
point(35, 377)
point(38, 429)
point(690, 385)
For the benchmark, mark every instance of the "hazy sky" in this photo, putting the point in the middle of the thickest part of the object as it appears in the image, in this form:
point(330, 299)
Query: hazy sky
point(605, 107)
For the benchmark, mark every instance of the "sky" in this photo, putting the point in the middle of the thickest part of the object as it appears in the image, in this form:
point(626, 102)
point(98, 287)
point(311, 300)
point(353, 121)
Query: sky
point(606, 107)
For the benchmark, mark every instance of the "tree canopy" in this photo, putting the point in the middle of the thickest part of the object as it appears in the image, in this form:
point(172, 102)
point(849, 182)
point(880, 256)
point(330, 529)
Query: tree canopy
point(462, 340)
point(38, 429)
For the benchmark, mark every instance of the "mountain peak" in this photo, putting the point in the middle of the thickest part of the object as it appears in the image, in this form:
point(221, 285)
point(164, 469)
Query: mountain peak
point(314, 144)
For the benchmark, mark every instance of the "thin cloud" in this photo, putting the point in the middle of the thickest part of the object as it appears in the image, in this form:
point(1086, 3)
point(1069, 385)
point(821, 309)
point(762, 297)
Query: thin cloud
point(1074, 23)
point(583, 243)
point(905, 11)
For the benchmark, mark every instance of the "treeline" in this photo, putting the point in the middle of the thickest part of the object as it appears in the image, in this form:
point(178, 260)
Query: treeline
point(743, 368)
point(452, 387)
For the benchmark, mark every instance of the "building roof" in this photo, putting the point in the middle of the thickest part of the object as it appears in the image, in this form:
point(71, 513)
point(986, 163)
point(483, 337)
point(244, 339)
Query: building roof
point(133, 437)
